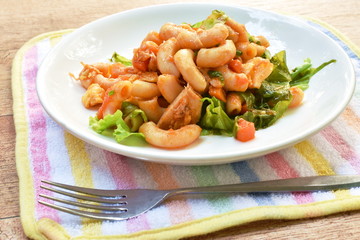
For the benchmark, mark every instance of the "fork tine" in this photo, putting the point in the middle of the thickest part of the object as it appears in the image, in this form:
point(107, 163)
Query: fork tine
point(85, 205)
point(83, 197)
point(94, 215)
point(90, 191)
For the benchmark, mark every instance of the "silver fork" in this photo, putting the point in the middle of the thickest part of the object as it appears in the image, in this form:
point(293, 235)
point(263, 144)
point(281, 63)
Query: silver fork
point(124, 204)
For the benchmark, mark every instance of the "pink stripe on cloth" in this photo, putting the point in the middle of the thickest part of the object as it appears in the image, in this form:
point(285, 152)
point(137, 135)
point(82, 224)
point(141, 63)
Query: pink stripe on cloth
point(284, 170)
point(120, 170)
point(37, 132)
point(124, 179)
point(340, 145)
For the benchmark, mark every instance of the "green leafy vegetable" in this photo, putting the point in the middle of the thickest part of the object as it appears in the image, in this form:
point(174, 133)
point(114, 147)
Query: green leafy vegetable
point(133, 116)
point(301, 75)
point(268, 103)
point(215, 17)
point(108, 122)
point(276, 87)
point(114, 125)
point(214, 119)
point(253, 39)
point(120, 59)
point(266, 55)
point(216, 74)
point(238, 53)
point(266, 117)
point(280, 72)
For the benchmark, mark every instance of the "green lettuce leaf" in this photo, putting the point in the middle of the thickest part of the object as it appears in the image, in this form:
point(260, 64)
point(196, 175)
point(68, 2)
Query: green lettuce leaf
point(301, 75)
point(215, 17)
point(115, 126)
point(215, 120)
point(280, 73)
point(120, 59)
point(133, 116)
point(263, 118)
point(110, 121)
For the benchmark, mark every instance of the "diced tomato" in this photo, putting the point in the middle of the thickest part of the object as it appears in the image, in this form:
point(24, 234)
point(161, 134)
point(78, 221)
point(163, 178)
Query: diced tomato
point(245, 130)
point(236, 65)
point(219, 93)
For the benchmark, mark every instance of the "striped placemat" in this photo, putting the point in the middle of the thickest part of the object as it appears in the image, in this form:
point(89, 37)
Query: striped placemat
point(45, 151)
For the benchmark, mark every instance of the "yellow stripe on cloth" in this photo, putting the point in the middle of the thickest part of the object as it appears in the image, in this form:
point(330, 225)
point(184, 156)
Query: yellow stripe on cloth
point(82, 172)
point(319, 164)
point(26, 186)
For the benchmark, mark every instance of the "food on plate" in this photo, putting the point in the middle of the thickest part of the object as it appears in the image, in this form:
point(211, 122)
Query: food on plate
point(188, 80)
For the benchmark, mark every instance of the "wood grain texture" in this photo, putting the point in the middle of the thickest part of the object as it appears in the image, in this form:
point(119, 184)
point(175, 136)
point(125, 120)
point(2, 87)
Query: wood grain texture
point(20, 20)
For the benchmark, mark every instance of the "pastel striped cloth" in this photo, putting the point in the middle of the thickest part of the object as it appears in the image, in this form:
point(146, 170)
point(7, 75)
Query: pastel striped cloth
point(45, 151)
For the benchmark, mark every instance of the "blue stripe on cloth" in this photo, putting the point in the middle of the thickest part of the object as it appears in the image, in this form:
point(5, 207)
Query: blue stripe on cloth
point(246, 174)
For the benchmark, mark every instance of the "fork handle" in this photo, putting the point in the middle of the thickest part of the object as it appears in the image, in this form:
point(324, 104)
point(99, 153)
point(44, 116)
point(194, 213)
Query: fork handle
point(284, 185)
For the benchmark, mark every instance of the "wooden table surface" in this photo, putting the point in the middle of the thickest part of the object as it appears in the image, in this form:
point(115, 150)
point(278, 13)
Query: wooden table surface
point(21, 20)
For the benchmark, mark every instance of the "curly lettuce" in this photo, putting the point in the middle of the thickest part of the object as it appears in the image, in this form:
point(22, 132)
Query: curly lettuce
point(215, 17)
point(120, 59)
point(214, 120)
point(114, 125)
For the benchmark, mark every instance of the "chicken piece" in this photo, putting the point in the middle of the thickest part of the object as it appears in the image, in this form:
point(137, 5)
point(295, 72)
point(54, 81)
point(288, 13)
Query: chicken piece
point(93, 96)
point(184, 110)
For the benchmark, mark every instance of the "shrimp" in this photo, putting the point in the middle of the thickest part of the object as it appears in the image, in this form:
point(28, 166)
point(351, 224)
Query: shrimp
point(179, 138)
point(217, 56)
point(93, 96)
point(184, 61)
point(165, 57)
point(184, 110)
point(297, 97)
point(90, 74)
point(108, 74)
point(114, 97)
point(195, 39)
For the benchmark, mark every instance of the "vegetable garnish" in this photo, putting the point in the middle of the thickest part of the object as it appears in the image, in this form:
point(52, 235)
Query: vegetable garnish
point(214, 119)
point(301, 75)
point(120, 59)
point(114, 125)
point(216, 74)
point(215, 17)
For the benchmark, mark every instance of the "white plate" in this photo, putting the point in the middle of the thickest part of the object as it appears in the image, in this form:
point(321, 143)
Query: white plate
point(330, 89)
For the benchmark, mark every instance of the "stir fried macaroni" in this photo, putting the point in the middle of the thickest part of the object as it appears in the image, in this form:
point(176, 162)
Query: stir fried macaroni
point(212, 77)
